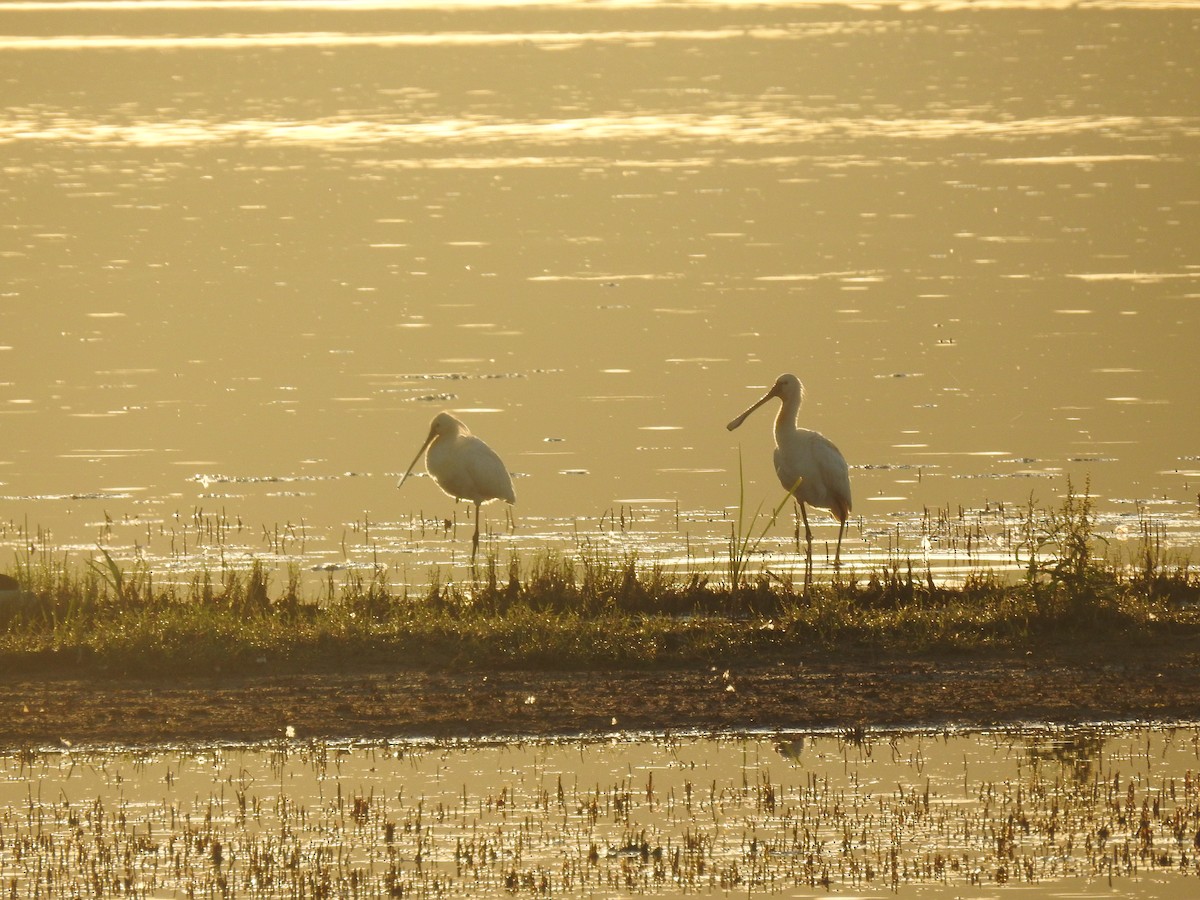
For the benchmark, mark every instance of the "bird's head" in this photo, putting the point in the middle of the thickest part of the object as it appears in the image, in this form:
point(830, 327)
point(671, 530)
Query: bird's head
point(785, 386)
point(443, 425)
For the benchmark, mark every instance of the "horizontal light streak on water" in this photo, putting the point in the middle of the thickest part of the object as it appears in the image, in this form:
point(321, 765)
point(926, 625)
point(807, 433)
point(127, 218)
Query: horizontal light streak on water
point(815, 276)
point(356, 5)
point(1137, 400)
point(114, 494)
point(1137, 277)
point(326, 39)
point(649, 276)
point(349, 6)
point(759, 129)
point(108, 453)
point(1070, 160)
point(964, 453)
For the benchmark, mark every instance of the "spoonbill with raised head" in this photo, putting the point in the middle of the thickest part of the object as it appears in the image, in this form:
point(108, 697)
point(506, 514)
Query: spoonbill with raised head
point(809, 466)
point(464, 467)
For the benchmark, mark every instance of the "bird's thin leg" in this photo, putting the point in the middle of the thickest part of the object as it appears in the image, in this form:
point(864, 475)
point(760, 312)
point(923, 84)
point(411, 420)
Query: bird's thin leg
point(807, 543)
point(807, 530)
point(808, 565)
point(837, 554)
point(475, 537)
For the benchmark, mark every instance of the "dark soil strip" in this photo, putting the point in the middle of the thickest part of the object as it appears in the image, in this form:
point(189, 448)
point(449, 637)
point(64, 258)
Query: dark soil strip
point(1084, 684)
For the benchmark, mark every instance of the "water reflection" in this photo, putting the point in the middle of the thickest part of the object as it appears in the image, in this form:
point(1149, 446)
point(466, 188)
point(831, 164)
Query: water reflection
point(868, 813)
point(1077, 754)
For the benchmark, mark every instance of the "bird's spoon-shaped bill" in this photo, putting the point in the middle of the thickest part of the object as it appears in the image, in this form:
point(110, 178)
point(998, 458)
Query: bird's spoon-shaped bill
point(742, 418)
point(412, 465)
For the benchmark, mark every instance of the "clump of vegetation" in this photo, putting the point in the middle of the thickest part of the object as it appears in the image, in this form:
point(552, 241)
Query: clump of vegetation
point(584, 613)
point(1073, 586)
point(743, 543)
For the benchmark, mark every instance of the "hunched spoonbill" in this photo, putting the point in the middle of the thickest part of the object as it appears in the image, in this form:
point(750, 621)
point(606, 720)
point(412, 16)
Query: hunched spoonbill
point(464, 467)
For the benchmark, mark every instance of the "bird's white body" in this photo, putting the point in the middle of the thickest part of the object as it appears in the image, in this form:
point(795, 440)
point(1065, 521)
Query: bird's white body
point(463, 466)
point(810, 458)
point(808, 464)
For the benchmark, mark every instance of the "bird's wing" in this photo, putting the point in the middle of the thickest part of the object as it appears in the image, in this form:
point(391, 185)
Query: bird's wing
point(789, 474)
point(488, 472)
point(834, 474)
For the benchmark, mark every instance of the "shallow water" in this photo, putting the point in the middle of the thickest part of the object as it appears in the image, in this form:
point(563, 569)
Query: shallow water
point(1096, 811)
point(251, 248)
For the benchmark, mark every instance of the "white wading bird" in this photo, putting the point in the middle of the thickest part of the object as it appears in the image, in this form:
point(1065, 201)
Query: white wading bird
point(464, 467)
point(809, 466)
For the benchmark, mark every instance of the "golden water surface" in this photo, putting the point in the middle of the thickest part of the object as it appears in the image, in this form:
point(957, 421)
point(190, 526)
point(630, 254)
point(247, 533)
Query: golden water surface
point(249, 249)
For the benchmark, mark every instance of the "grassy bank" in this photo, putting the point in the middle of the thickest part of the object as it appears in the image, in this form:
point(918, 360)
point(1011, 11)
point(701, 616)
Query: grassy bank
point(561, 614)
point(584, 613)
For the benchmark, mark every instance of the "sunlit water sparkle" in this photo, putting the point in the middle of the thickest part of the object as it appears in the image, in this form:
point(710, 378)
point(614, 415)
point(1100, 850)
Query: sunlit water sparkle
point(254, 246)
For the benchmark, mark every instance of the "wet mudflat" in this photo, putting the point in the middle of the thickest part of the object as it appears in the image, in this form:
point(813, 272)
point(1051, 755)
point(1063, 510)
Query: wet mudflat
point(1088, 681)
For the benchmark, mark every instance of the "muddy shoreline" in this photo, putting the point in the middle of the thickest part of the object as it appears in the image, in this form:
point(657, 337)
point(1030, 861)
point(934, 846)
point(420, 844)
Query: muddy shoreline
point(1092, 683)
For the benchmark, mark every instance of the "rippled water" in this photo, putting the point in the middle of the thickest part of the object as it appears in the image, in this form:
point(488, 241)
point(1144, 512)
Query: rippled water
point(251, 248)
point(1080, 812)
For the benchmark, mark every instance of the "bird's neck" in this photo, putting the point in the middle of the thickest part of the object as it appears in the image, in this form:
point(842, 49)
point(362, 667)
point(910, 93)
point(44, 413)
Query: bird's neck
point(785, 419)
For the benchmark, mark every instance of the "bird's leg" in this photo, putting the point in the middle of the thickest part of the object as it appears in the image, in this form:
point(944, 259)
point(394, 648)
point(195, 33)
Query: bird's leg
point(475, 537)
point(807, 533)
point(807, 530)
point(837, 554)
point(807, 545)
